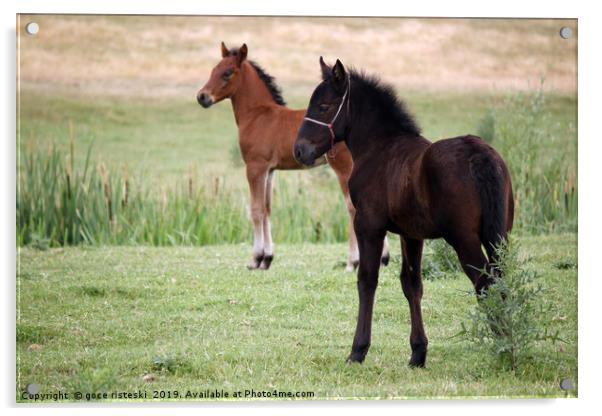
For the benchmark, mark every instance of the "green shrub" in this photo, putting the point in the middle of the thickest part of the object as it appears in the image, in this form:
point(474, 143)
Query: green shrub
point(510, 318)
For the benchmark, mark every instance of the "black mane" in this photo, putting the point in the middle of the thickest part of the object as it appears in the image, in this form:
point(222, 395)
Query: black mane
point(268, 80)
point(391, 108)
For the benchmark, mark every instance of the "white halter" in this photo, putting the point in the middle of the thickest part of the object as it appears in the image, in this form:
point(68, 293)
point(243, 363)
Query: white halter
point(330, 125)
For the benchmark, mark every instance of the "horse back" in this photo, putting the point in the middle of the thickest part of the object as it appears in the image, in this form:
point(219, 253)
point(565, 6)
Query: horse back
point(422, 190)
point(458, 175)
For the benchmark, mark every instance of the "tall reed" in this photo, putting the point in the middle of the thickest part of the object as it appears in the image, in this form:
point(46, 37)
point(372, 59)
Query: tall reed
point(101, 206)
point(542, 158)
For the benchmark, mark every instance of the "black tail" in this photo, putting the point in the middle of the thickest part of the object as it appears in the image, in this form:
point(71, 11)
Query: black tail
point(490, 182)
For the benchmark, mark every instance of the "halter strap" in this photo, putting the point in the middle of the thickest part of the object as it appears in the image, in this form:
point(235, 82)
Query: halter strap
point(332, 152)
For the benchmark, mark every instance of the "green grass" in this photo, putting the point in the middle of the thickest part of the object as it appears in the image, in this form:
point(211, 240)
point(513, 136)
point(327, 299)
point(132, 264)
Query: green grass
point(156, 139)
point(104, 317)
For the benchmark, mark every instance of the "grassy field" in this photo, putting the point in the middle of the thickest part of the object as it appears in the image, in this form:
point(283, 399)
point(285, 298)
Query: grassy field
point(100, 319)
point(178, 134)
point(186, 183)
point(121, 305)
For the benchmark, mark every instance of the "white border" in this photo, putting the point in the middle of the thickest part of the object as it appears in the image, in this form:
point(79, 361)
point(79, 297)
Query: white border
point(589, 207)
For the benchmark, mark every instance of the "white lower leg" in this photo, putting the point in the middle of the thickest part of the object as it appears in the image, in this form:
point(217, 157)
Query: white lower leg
point(257, 177)
point(268, 246)
point(385, 254)
point(257, 242)
point(354, 253)
point(258, 237)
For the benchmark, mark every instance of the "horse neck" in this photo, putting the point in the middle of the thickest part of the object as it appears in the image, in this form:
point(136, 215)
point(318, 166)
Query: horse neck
point(368, 132)
point(364, 139)
point(251, 94)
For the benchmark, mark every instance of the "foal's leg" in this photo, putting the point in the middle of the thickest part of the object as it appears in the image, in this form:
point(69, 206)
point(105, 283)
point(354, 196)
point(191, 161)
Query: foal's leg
point(342, 164)
point(268, 247)
point(411, 283)
point(257, 175)
point(370, 245)
point(354, 254)
point(473, 260)
point(384, 257)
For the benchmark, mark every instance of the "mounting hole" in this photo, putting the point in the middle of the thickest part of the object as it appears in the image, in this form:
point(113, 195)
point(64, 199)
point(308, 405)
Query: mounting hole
point(32, 28)
point(566, 32)
point(566, 384)
point(32, 388)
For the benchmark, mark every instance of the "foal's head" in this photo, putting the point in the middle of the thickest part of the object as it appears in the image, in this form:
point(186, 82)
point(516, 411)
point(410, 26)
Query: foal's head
point(224, 79)
point(327, 115)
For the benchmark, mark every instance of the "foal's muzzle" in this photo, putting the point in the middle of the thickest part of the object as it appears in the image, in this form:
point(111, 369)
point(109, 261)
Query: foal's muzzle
point(204, 99)
point(305, 152)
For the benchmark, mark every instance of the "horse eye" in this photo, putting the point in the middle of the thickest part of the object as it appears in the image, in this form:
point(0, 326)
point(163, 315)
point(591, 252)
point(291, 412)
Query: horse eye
point(323, 108)
point(226, 75)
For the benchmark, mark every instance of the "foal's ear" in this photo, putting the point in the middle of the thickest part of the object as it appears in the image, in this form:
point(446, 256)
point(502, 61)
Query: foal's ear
point(338, 74)
point(242, 53)
point(325, 68)
point(225, 51)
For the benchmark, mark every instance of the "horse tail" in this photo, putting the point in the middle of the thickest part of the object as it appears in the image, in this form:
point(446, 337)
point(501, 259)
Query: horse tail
point(491, 179)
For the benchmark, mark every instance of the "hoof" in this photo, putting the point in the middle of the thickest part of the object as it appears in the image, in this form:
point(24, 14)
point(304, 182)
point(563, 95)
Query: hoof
point(358, 355)
point(255, 263)
point(266, 262)
point(355, 357)
point(385, 259)
point(417, 364)
point(418, 359)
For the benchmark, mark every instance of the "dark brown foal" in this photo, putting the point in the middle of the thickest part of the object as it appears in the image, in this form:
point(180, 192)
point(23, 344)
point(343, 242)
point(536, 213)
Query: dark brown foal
point(458, 189)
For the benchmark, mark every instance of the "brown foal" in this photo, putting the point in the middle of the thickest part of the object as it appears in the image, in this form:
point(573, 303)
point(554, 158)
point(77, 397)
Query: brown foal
point(267, 130)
